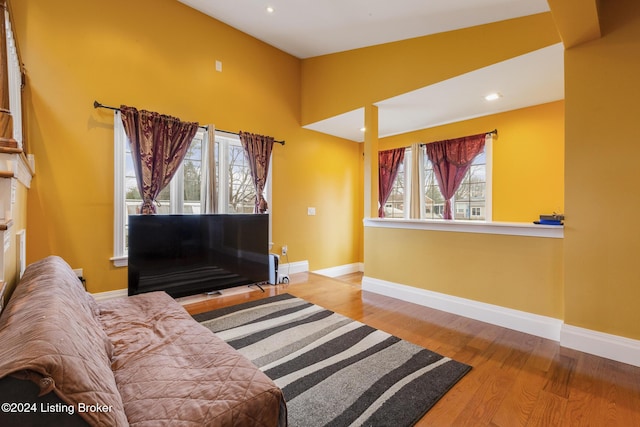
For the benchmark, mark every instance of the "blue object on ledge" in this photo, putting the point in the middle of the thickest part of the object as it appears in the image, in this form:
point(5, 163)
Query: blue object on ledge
point(549, 222)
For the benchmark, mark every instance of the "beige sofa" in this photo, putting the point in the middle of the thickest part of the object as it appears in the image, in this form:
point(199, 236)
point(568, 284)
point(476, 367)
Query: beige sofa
point(143, 361)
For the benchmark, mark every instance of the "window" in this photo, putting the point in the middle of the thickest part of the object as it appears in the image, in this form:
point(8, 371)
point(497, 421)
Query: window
point(397, 205)
point(433, 199)
point(182, 195)
point(185, 193)
point(236, 192)
point(472, 201)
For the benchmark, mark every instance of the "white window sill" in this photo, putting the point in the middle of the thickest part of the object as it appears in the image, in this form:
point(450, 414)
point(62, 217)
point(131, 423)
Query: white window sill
point(460, 226)
point(120, 261)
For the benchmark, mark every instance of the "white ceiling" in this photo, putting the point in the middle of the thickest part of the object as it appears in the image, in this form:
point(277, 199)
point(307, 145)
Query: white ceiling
point(307, 28)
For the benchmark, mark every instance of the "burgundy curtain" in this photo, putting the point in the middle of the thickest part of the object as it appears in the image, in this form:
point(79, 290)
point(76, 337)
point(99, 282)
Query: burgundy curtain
point(158, 143)
point(389, 162)
point(258, 150)
point(451, 160)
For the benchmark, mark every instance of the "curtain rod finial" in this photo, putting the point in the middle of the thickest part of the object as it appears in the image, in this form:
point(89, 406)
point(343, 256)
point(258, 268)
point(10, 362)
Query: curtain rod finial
point(96, 104)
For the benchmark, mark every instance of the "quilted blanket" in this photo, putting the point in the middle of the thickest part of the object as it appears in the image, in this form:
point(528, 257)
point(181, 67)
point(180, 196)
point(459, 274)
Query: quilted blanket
point(49, 335)
point(171, 370)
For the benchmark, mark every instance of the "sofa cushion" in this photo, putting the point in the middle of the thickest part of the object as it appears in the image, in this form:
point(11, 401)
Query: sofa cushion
point(49, 334)
point(171, 370)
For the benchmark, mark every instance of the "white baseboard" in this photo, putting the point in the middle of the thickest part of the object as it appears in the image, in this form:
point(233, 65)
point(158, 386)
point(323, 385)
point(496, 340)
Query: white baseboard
point(104, 296)
point(609, 346)
point(341, 270)
point(542, 326)
point(293, 267)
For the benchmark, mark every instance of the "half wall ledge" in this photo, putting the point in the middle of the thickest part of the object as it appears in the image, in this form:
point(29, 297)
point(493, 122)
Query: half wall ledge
point(461, 226)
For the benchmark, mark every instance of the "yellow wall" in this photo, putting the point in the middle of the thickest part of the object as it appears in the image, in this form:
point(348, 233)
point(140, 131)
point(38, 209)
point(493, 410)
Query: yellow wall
point(341, 82)
point(521, 273)
point(160, 55)
point(602, 235)
point(528, 158)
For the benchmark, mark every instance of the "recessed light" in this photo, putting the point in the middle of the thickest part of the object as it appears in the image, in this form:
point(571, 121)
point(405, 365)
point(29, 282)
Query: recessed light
point(270, 9)
point(493, 96)
point(363, 129)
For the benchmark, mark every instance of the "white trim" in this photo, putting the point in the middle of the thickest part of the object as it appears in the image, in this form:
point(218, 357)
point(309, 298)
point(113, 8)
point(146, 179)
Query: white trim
point(341, 270)
point(120, 261)
point(24, 172)
point(19, 165)
point(293, 267)
point(488, 180)
point(108, 295)
point(612, 347)
point(119, 207)
point(463, 226)
point(14, 76)
point(534, 324)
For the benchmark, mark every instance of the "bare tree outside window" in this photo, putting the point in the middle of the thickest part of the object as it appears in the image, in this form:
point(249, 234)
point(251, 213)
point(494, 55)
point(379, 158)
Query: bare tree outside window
point(242, 193)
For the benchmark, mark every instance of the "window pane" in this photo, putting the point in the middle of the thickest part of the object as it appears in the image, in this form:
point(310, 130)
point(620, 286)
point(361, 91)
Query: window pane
point(463, 192)
point(133, 199)
point(163, 201)
point(216, 155)
point(242, 194)
point(468, 201)
point(433, 199)
point(462, 210)
point(394, 207)
point(192, 174)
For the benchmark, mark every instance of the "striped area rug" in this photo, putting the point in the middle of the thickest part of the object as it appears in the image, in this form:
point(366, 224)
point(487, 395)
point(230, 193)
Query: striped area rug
point(334, 370)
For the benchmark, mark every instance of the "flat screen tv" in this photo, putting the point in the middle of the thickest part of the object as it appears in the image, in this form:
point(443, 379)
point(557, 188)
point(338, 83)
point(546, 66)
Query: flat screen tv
point(190, 254)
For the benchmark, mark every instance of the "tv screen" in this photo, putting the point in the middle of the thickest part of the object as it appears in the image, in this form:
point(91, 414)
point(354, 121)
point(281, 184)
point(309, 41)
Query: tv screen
point(189, 254)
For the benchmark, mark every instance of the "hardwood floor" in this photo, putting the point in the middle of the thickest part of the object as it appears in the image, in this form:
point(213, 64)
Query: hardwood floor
point(517, 379)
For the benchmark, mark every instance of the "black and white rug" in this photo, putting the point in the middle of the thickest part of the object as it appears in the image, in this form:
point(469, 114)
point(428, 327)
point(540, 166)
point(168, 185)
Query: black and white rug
point(334, 370)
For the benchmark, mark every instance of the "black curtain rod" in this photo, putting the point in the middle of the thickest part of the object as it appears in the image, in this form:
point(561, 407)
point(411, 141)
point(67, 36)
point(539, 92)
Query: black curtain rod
point(96, 104)
point(494, 132)
point(236, 133)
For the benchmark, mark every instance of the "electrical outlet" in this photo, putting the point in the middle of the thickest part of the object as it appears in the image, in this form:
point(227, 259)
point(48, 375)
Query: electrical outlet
point(284, 250)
